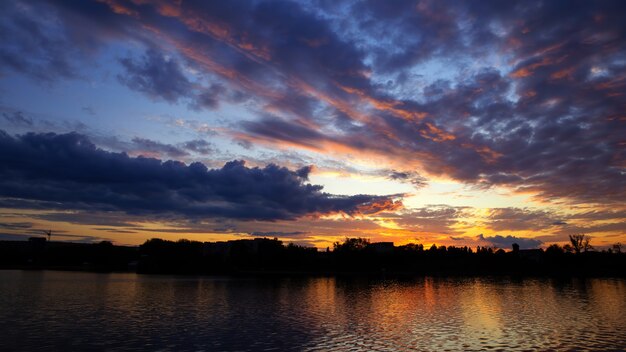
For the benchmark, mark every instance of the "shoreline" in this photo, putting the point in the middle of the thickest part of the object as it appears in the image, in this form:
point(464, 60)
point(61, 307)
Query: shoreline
point(271, 274)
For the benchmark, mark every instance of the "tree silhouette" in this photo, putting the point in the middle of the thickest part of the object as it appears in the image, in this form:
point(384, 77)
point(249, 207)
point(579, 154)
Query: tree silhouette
point(555, 249)
point(49, 234)
point(580, 242)
point(351, 244)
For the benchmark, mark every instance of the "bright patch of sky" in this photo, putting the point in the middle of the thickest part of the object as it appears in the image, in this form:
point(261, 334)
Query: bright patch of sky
point(351, 184)
point(457, 194)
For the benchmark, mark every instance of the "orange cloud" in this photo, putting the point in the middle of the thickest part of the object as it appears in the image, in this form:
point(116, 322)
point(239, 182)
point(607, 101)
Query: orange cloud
point(529, 69)
point(436, 134)
point(120, 9)
point(385, 105)
point(562, 73)
point(378, 207)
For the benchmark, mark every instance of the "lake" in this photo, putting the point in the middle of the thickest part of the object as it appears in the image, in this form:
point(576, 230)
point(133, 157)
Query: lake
point(65, 311)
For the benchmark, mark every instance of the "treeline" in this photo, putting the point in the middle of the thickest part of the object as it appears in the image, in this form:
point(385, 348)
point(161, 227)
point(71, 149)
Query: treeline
point(352, 256)
point(37, 253)
point(359, 256)
point(254, 255)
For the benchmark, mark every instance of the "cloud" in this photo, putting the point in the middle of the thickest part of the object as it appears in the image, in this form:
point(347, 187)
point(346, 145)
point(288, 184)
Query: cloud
point(162, 77)
point(67, 171)
point(507, 241)
point(18, 118)
point(156, 76)
point(199, 146)
point(30, 45)
point(16, 225)
point(152, 148)
point(209, 97)
point(517, 219)
point(114, 230)
point(13, 237)
point(104, 219)
point(292, 234)
point(414, 178)
point(48, 40)
point(435, 219)
point(527, 95)
point(556, 223)
point(148, 145)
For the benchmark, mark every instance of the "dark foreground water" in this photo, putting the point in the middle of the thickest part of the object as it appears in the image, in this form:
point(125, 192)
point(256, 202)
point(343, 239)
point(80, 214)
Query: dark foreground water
point(67, 311)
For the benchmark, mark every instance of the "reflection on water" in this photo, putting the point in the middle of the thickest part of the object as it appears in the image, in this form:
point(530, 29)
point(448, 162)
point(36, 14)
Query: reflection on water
point(76, 311)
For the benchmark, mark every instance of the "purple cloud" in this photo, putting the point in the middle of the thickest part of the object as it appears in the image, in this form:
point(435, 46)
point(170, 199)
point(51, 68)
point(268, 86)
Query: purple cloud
point(507, 241)
point(531, 97)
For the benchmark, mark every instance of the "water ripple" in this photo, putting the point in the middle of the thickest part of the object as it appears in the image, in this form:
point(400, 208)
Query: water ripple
point(102, 312)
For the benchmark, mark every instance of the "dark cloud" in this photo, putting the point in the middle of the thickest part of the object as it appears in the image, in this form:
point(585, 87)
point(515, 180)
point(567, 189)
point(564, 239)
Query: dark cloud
point(148, 145)
point(161, 77)
point(199, 146)
point(507, 241)
point(23, 231)
point(414, 178)
point(156, 76)
point(434, 23)
point(79, 238)
point(292, 234)
point(13, 237)
point(209, 97)
point(31, 45)
point(114, 230)
point(272, 128)
point(16, 225)
point(67, 171)
point(518, 219)
point(106, 219)
point(152, 148)
point(46, 40)
point(601, 215)
point(18, 118)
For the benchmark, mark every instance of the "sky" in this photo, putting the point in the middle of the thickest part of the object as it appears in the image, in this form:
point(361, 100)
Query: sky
point(465, 123)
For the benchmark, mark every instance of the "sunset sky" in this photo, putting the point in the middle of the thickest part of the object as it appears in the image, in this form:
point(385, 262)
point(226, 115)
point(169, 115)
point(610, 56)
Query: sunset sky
point(447, 122)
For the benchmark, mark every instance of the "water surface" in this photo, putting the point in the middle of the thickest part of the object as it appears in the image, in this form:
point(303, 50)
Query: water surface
point(48, 310)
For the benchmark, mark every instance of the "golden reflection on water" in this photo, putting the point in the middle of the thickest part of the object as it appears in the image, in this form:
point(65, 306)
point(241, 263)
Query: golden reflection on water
point(76, 311)
point(472, 314)
point(481, 308)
